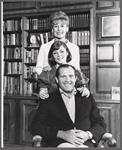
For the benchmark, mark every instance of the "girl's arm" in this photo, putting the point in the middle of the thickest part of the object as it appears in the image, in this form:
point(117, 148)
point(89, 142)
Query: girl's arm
point(81, 83)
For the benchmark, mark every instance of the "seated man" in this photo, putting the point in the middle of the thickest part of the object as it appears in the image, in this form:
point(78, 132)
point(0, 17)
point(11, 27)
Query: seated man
point(66, 119)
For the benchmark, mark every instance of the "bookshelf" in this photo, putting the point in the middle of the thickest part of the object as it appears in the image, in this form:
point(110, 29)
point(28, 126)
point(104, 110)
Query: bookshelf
point(28, 18)
point(12, 34)
point(20, 55)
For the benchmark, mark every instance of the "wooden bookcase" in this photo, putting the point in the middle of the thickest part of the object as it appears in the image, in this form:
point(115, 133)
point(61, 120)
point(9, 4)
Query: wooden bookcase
point(19, 62)
point(19, 105)
point(12, 30)
point(20, 57)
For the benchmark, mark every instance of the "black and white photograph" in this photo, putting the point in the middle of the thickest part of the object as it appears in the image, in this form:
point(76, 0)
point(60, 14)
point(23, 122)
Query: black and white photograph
point(60, 74)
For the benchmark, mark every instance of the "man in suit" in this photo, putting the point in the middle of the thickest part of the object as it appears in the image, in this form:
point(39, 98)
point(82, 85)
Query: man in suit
point(66, 119)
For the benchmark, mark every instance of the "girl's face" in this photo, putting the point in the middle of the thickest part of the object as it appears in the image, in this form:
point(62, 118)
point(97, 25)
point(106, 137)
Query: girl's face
point(60, 29)
point(60, 55)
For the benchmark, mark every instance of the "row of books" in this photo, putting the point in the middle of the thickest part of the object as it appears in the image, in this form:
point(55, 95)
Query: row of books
point(12, 39)
point(45, 37)
point(76, 37)
point(84, 55)
point(77, 20)
point(31, 56)
point(12, 25)
point(11, 85)
point(85, 70)
point(79, 37)
point(12, 53)
point(31, 87)
point(12, 68)
point(36, 23)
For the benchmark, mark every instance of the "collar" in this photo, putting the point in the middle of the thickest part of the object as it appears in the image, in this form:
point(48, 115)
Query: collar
point(73, 93)
point(65, 41)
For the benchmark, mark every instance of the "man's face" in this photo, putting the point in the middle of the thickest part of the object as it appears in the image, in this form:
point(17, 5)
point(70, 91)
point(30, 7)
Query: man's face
point(66, 79)
point(60, 29)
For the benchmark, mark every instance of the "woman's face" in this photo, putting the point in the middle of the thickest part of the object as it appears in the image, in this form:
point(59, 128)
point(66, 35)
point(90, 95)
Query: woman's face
point(60, 55)
point(60, 29)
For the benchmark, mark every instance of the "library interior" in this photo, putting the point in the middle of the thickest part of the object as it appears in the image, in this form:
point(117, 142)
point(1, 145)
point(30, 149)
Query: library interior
point(94, 28)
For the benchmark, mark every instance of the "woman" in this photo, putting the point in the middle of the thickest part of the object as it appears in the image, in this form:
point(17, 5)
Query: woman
point(59, 54)
point(59, 27)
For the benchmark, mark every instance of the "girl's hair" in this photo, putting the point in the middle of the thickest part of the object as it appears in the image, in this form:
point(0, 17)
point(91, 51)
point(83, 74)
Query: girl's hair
point(55, 46)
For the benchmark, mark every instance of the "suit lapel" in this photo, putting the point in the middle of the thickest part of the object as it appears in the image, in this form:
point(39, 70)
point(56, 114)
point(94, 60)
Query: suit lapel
point(61, 104)
point(79, 108)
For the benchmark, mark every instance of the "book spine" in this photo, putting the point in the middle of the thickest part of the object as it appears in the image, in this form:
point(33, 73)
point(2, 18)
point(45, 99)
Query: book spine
point(42, 38)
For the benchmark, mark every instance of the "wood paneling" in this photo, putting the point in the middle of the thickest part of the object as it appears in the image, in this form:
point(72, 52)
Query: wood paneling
point(13, 6)
point(107, 76)
point(111, 114)
point(105, 53)
point(28, 109)
point(9, 121)
point(105, 4)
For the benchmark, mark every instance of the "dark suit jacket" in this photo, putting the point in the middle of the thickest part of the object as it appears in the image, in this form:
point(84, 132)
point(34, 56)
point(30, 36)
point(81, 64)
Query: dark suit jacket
point(52, 116)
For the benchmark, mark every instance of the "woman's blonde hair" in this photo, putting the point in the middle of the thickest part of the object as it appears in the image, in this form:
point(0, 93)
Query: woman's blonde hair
point(60, 15)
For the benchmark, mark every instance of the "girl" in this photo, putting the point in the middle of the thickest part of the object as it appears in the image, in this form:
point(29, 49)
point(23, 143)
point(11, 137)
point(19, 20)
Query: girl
point(59, 54)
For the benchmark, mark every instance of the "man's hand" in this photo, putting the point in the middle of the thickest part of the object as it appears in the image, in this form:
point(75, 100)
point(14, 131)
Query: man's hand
point(43, 93)
point(71, 136)
point(82, 134)
point(84, 91)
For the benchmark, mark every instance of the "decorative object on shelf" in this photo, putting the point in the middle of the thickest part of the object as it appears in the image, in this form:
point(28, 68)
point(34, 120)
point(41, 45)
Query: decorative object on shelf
point(108, 26)
point(33, 40)
point(115, 93)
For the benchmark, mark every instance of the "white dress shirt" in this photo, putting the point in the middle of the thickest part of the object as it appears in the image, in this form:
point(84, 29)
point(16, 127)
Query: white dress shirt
point(69, 103)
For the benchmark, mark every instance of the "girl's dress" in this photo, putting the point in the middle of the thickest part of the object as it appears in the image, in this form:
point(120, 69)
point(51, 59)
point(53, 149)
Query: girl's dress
point(47, 80)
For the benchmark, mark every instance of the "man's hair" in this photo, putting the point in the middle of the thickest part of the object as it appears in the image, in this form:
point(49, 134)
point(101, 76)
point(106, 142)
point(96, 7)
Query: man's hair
point(64, 66)
point(55, 46)
point(59, 15)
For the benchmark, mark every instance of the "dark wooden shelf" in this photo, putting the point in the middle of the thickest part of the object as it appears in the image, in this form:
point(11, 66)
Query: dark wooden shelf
point(12, 75)
point(31, 79)
point(21, 96)
point(38, 31)
point(13, 31)
point(12, 46)
point(31, 47)
point(84, 46)
point(13, 60)
point(31, 64)
point(84, 63)
point(79, 28)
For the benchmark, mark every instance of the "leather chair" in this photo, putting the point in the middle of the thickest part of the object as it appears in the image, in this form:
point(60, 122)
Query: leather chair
point(106, 141)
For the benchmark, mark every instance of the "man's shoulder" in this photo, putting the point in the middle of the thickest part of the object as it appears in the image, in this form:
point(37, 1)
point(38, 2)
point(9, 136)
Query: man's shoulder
point(55, 93)
point(78, 95)
point(53, 96)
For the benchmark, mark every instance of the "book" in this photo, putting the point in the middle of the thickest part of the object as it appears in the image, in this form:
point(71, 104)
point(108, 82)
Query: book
point(46, 37)
point(74, 37)
point(42, 38)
